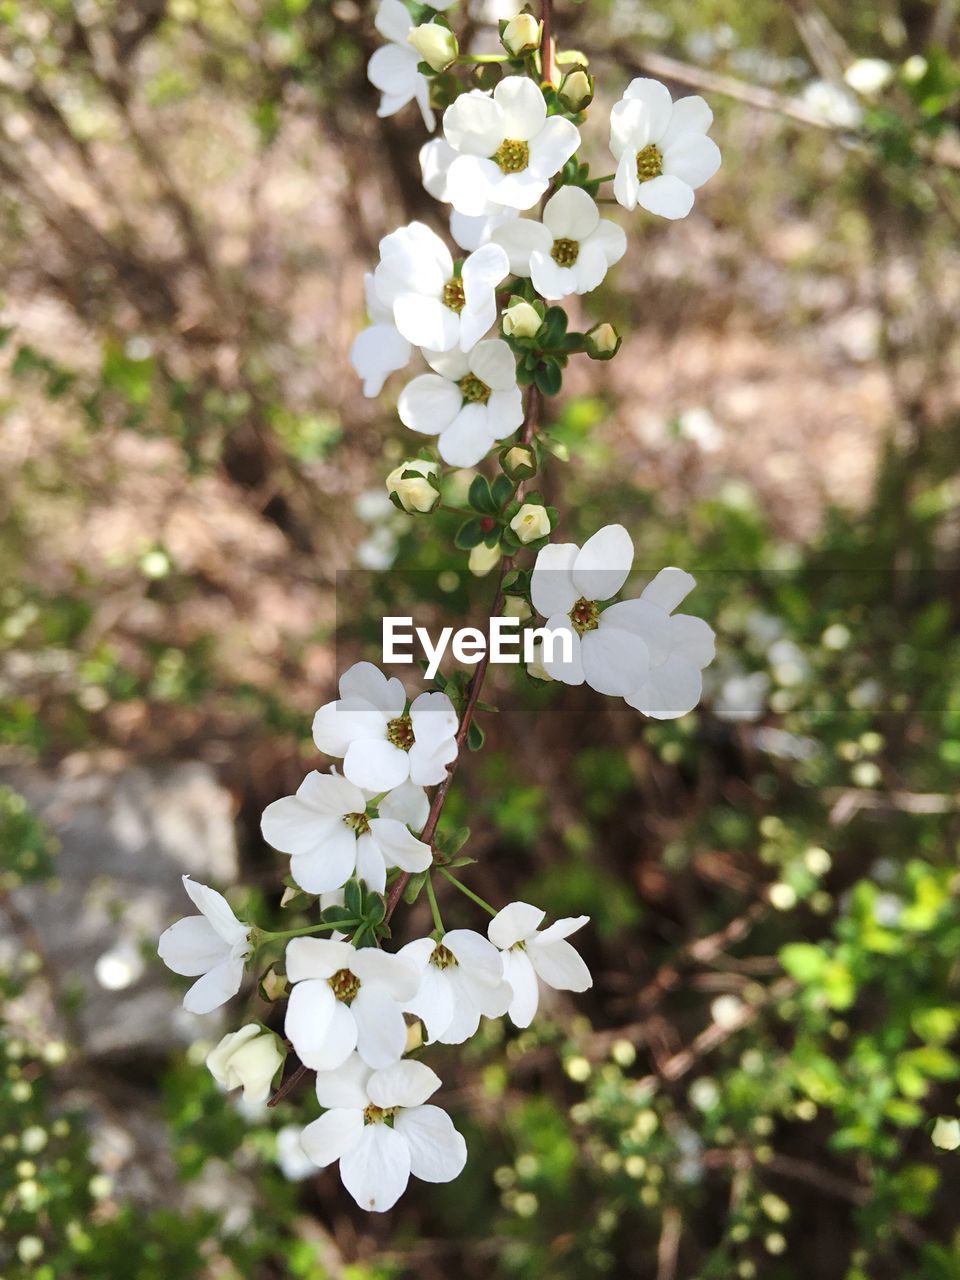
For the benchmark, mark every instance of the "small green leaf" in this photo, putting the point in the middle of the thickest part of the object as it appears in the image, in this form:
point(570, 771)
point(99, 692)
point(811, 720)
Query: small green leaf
point(469, 535)
point(475, 736)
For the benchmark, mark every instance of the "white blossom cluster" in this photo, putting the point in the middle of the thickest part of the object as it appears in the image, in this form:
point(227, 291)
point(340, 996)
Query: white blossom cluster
point(524, 213)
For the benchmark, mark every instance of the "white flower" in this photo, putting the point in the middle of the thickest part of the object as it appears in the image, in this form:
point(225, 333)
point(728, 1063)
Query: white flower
point(382, 743)
point(343, 999)
point(328, 830)
point(531, 522)
point(469, 232)
point(393, 69)
point(529, 955)
point(213, 945)
point(461, 977)
point(662, 151)
point(379, 1129)
point(832, 104)
point(568, 252)
point(470, 401)
point(507, 148)
point(415, 493)
point(868, 76)
point(567, 587)
point(483, 559)
point(249, 1058)
point(378, 350)
point(432, 306)
point(679, 645)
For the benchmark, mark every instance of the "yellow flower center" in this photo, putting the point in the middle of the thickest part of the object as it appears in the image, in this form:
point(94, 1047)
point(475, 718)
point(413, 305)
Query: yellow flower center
point(373, 1114)
point(512, 156)
point(344, 985)
point(400, 733)
point(585, 616)
point(358, 822)
point(453, 295)
point(473, 390)
point(649, 163)
point(443, 957)
point(565, 252)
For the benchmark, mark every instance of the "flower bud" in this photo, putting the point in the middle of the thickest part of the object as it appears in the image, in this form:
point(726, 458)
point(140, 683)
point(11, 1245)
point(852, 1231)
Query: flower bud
point(521, 319)
point(536, 667)
point(603, 342)
point(250, 1058)
point(531, 522)
point(519, 461)
point(482, 559)
point(435, 43)
point(516, 607)
point(414, 492)
point(522, 35)
point(577, 89)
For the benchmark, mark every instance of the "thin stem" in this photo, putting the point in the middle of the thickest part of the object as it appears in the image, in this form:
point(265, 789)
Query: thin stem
point(481, 59)
point(267, 936)
point(547, 46)
point(435, 907)
point(607, 177)
point(474, 897)
point(531, 423)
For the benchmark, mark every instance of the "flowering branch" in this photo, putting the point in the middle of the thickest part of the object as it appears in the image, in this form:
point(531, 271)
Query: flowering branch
point(495, 342)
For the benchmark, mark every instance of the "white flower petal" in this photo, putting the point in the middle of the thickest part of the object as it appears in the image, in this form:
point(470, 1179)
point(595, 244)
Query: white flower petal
point(377, 1169)
point(669, 588)
point(521, 976)
point(391, 103)
point(590, 268)
point(378, 351)
point(393, 20)
point(398, 847)
point(611, 238)
point(433, 1003)
point(555, 663)
point(329, 864)
point(472, 232)
point(426, 322)
point(376, 765)
point(520, 237)
point(371, 868)
point(333, 1135)
point(474, 952)
point(393, 70)
point(407, 804)
point(483, 270)
point(436, 157)
point(689, 116)
point(668, 197)
point(438, 1152)
point(693, 639)
point(385, 970)
point(657, 105)
point(626, 184)
point(693, 159)
point(318, 958)
point(434, 719)
point(426, 768)
point(604, 561)
point(465, 1022)
point(319, 1026)
point(473, 124)
point(514, 923)
point(345, 1087)
point(217, 910)
point(524, 111)
point(470, 183)
point(571, 214)
point(381, 1030)
point(405, 1084)
point(192, 946)
point(553, 146)
point(615, 662)
point(629, 128)
point(559, 965)
point(562, 928)
point(505, 413)
point(452, 365)
point(494, 363)
point(214, 988)
point(551, 587)
point(429, 404)
point(551, 280)
point(517, 190)
point(422, 95)
point(646, 620)
point(336, 726)
point(670, 690)
point(467, 439)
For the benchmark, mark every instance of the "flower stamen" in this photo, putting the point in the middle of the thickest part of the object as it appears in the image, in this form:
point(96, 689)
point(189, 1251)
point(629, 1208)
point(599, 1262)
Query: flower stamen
point(373, 1114)
point(649, 163)
point(344, 984)
point(453, 295)
point(443, 957)
point(512, 156)
point(585, 616)
point(400, 733)
point(358, 822)
point(473, 390)
point(565, 252)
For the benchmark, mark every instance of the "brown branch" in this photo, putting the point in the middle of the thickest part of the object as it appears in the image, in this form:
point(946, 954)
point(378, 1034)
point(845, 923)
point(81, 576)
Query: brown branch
point(531, 422)
point(548, 47)
point(288, 1085)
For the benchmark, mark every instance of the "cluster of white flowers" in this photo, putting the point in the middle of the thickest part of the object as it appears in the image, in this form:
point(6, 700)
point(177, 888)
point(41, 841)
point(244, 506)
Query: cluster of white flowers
point(362, 837)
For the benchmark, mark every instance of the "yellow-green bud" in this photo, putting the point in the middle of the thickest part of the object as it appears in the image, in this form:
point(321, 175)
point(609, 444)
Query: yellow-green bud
point(521, 319)
point(516, 607)
point(522, 35)
point(519, 461)
point(483, 559)
point(577, 89)
point(414, 493)
point(250, 1058)
point(603, 342)
point(435, 43)
point(531, 522)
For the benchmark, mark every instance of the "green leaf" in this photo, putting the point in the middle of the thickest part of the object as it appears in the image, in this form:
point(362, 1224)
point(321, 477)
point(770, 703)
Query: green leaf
point(414, 887)
point(353, 899)
point(480, 497)
point(475, 736)
point(548, 378)
point(501, 492)
point(469, 535)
